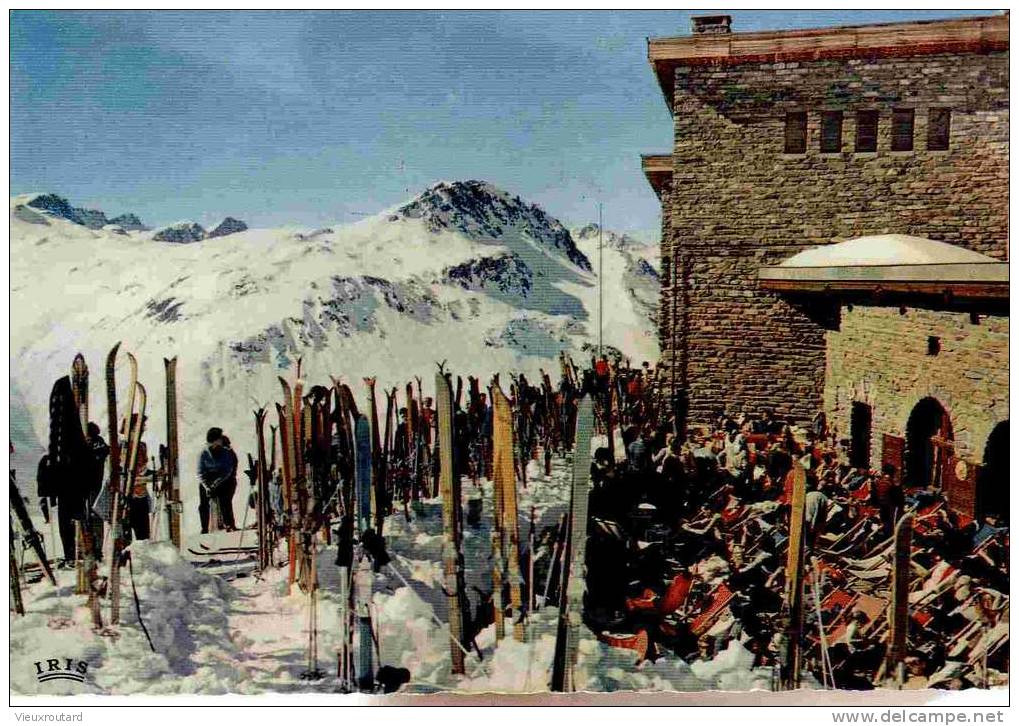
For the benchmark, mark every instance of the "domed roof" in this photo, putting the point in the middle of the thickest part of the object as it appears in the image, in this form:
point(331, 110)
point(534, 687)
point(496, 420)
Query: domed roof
point(886, 262)
point(886, 249)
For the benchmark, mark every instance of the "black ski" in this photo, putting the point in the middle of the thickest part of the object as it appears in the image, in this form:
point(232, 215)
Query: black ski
point(31, 536)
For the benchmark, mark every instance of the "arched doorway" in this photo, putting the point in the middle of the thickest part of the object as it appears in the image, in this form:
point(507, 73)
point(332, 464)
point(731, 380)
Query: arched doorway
point(928, 443)
point(860, 419)
point(992, 482)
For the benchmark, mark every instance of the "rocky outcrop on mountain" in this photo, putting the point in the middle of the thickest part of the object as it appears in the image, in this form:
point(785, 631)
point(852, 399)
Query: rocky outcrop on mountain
point(487, 214)
point(181, 233)
point(91, 218)
point(57, 206)
point(227, 226)
point(611, 240)
point(505, 273)
point(129, 222)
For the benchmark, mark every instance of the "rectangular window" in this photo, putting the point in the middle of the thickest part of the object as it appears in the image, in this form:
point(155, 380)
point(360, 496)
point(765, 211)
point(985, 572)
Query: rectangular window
point(939, 128)
point(866, 131)
point(796, 133)
point(902, 129)
point(831, 132)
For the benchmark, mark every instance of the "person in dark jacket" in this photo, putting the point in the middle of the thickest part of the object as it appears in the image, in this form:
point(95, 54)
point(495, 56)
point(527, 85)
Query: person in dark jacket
point(99, 451)
point(217, 474)
point(69, 467)
point(888, 496)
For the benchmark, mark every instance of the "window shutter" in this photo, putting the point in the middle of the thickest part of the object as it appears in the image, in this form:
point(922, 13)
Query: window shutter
point(796, 133)
point(866, 131)
point(939, 126)
point(902, 129)
point(831, 132)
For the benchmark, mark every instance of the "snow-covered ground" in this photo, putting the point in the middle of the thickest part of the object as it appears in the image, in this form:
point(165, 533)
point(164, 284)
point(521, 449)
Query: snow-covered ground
point(214, 632)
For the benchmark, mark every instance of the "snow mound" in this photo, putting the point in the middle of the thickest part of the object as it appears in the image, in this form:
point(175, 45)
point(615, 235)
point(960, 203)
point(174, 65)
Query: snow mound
point(183, 608)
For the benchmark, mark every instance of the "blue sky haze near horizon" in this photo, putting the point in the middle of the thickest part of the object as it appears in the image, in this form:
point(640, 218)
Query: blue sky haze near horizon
point(308, 118)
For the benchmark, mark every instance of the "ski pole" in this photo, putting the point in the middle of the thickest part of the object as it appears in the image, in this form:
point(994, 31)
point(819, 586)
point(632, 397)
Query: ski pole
point(430, 611)
point(825, 663)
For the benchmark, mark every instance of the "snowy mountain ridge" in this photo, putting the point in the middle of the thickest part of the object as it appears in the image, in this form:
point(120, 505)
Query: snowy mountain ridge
point(465, 272)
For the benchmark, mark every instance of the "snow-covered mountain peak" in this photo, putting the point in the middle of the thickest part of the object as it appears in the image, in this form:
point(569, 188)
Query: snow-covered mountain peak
point(483, 212)
point(612, 240)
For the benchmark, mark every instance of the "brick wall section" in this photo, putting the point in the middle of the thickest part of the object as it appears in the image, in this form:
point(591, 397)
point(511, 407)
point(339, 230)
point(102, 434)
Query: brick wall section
point(879, 357)
point(738, 202)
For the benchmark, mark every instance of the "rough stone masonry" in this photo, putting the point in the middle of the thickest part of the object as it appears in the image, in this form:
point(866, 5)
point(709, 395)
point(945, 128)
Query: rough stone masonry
point(737, 201)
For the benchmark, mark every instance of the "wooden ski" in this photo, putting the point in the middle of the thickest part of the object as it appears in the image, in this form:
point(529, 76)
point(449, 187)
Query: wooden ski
point(286, 447)
point(86, 558)
point(173, 452)
point(794, 576)
point(898, 606)
point(449, 491)
point(133, 441)
point(574, 567)
point(505, 488)
point(378, 517)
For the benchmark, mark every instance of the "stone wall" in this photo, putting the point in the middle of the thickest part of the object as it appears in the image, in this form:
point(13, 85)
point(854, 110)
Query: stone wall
point(738, 202)
point(880, 357)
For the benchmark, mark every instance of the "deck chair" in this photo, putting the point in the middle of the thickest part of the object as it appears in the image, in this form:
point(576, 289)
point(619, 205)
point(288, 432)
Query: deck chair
point(923, 519)
point(935, 585)
point(720, 600)
point(990, 642)
point(842, 544)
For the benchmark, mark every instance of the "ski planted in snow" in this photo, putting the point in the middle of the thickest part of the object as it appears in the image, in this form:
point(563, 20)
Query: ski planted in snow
point(898, 608)
point(362, 573)
point(120, 525)
point(505, 491)
point(174, 505)
point(83, 539)
point(574, 576)
point(89, 563)
point(263, 511)
point(28, 531)
point(114, 486)
point(794, 577)
point(449, 491)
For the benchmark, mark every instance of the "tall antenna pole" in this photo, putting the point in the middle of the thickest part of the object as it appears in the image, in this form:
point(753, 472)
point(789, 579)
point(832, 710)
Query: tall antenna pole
point(601, 277)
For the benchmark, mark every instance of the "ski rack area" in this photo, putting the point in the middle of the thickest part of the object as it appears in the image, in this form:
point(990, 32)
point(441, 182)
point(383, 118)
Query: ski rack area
point(739, 554)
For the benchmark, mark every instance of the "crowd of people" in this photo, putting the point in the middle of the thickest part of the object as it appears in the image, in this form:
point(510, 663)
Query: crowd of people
point(688, 546)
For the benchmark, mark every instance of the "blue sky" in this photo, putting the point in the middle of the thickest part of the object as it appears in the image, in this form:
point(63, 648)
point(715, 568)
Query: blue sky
point(314, 117)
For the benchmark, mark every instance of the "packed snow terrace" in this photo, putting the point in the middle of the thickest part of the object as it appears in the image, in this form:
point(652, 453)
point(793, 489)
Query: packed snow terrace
point(509, 535)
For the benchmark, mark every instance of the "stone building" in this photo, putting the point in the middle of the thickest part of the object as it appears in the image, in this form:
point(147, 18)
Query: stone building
point(835, 236)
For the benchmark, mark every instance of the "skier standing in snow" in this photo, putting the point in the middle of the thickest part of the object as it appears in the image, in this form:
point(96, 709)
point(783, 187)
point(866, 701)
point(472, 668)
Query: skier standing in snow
point(217, 473)
point(99, 450)
point(139, 501)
